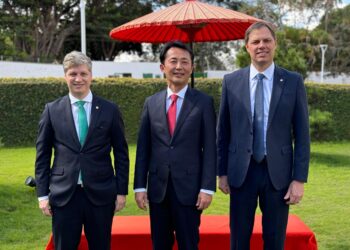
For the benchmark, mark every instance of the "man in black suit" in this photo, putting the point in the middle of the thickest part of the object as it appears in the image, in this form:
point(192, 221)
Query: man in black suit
point(263, 142)
point(81, 188)
point(176, 154)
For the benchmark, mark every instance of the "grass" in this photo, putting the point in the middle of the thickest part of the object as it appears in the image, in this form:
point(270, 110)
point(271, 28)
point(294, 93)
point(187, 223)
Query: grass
point(325, 207)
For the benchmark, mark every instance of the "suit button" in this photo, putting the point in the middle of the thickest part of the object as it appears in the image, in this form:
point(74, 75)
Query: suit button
point(251, 132)
point(171, 147)
point(249, 150)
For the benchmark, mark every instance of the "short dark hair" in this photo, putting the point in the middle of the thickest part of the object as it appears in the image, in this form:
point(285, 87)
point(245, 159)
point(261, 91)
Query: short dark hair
point(259, 25)
point(175, 44)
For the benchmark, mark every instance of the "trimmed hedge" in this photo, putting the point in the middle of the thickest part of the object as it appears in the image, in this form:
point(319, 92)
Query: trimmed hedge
point(335, 99)
point(22, 101)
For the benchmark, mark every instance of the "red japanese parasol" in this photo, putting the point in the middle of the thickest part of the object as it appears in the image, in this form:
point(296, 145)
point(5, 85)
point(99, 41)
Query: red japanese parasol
point(188, 21)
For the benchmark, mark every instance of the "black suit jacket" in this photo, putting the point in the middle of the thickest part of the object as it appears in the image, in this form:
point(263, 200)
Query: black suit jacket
point(189, 157)
point(106, 132)
point(287, 138)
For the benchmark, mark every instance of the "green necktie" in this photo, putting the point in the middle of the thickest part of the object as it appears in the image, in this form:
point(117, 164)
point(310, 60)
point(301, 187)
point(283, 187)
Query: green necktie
point(83, 129)
point(82, 122)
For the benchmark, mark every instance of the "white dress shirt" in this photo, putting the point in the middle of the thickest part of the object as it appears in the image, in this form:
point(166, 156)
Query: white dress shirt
point(75, 109)
point(267, 88)
point(179, 102)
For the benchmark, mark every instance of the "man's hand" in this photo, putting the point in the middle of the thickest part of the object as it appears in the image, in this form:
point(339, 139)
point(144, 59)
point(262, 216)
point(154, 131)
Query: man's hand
point(295, 193)
point(45, 207)
point(141, 200)
point(120, 203)
point(223, 184)
point(203, 200)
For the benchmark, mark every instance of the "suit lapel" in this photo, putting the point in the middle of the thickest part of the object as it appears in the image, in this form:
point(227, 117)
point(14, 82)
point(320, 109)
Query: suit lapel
point(159, 108)
point(68, 117)
point(244, 91)
point(278, 83)
point(94, 117)
point(188, 104)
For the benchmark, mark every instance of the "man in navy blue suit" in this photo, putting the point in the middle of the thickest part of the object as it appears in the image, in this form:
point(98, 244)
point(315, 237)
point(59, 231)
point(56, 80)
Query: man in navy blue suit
point(176, 154)
point(81, 187)
point(263, 142)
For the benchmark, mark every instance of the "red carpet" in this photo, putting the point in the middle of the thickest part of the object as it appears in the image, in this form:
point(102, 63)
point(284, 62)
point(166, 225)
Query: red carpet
point(133, 233)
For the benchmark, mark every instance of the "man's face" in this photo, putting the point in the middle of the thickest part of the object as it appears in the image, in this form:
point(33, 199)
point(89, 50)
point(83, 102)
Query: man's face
point(177, 66)
point(261, 47)
point(79, 80)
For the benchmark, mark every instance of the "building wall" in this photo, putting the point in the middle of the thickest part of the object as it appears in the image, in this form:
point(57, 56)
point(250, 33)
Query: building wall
point(119, 69)
point(99, 69)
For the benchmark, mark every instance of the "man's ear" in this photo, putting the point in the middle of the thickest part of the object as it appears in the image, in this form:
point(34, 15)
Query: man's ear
point(161, 66)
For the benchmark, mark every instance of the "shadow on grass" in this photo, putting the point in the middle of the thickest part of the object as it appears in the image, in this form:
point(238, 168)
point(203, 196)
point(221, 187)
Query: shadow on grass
point(331, 160)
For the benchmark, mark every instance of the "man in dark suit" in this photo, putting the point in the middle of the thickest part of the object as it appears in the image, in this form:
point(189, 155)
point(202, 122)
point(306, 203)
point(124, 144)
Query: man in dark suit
point(263, 142)
point(176, 154)
point(81, 188)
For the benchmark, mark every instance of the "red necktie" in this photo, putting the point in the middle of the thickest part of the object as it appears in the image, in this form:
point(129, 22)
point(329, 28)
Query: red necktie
point(172, 114)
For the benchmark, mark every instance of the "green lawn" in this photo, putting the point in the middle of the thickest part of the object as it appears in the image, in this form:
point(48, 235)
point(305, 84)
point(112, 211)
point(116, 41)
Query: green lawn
point(325, 207)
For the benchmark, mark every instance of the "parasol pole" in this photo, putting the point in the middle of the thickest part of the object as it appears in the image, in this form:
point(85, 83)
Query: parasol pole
point(192, 75)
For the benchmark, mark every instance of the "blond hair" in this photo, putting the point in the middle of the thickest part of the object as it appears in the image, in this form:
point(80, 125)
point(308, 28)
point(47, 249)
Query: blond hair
point(76, 58)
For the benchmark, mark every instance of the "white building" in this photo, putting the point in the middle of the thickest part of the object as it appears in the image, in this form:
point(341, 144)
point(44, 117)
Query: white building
point(137, 70)
point(99, 69)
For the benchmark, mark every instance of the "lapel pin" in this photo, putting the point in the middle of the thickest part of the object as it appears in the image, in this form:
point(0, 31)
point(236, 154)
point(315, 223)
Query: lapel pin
point(281, 80)
point(97, 107)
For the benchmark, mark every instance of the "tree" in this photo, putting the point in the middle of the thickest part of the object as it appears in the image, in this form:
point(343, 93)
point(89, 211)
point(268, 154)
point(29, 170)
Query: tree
point(101, 17)
point(39, 28)
point(338, 52)
point(315, 6)
point(48, 29)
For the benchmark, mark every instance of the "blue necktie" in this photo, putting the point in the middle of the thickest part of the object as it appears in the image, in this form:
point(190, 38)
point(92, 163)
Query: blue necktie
point(258, 125)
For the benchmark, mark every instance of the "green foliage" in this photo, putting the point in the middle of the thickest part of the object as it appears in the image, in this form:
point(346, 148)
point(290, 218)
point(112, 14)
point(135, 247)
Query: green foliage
point(110, 13)
point(291, 59)
point(50, 29)
point(242, 58)
point(320, 124)
point(23, 100)
point(334, 99)
point(337, 24)
point(37, 29)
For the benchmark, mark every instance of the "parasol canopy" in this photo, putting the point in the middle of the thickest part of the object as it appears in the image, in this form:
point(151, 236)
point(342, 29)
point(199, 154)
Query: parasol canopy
point(188, 21)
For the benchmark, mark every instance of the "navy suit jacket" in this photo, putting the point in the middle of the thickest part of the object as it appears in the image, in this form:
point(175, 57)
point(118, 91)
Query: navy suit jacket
point(189, 157)
point(287, 138)
point(57, 131)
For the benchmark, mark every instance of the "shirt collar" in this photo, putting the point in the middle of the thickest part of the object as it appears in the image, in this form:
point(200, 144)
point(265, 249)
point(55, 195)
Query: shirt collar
point(181, 93)
point(268, 73)
point(87, 98)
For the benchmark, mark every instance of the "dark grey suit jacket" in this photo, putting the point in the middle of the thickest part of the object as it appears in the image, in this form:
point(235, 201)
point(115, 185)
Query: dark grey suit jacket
point(189, 157)
point(287, 138)
point(106, 132)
